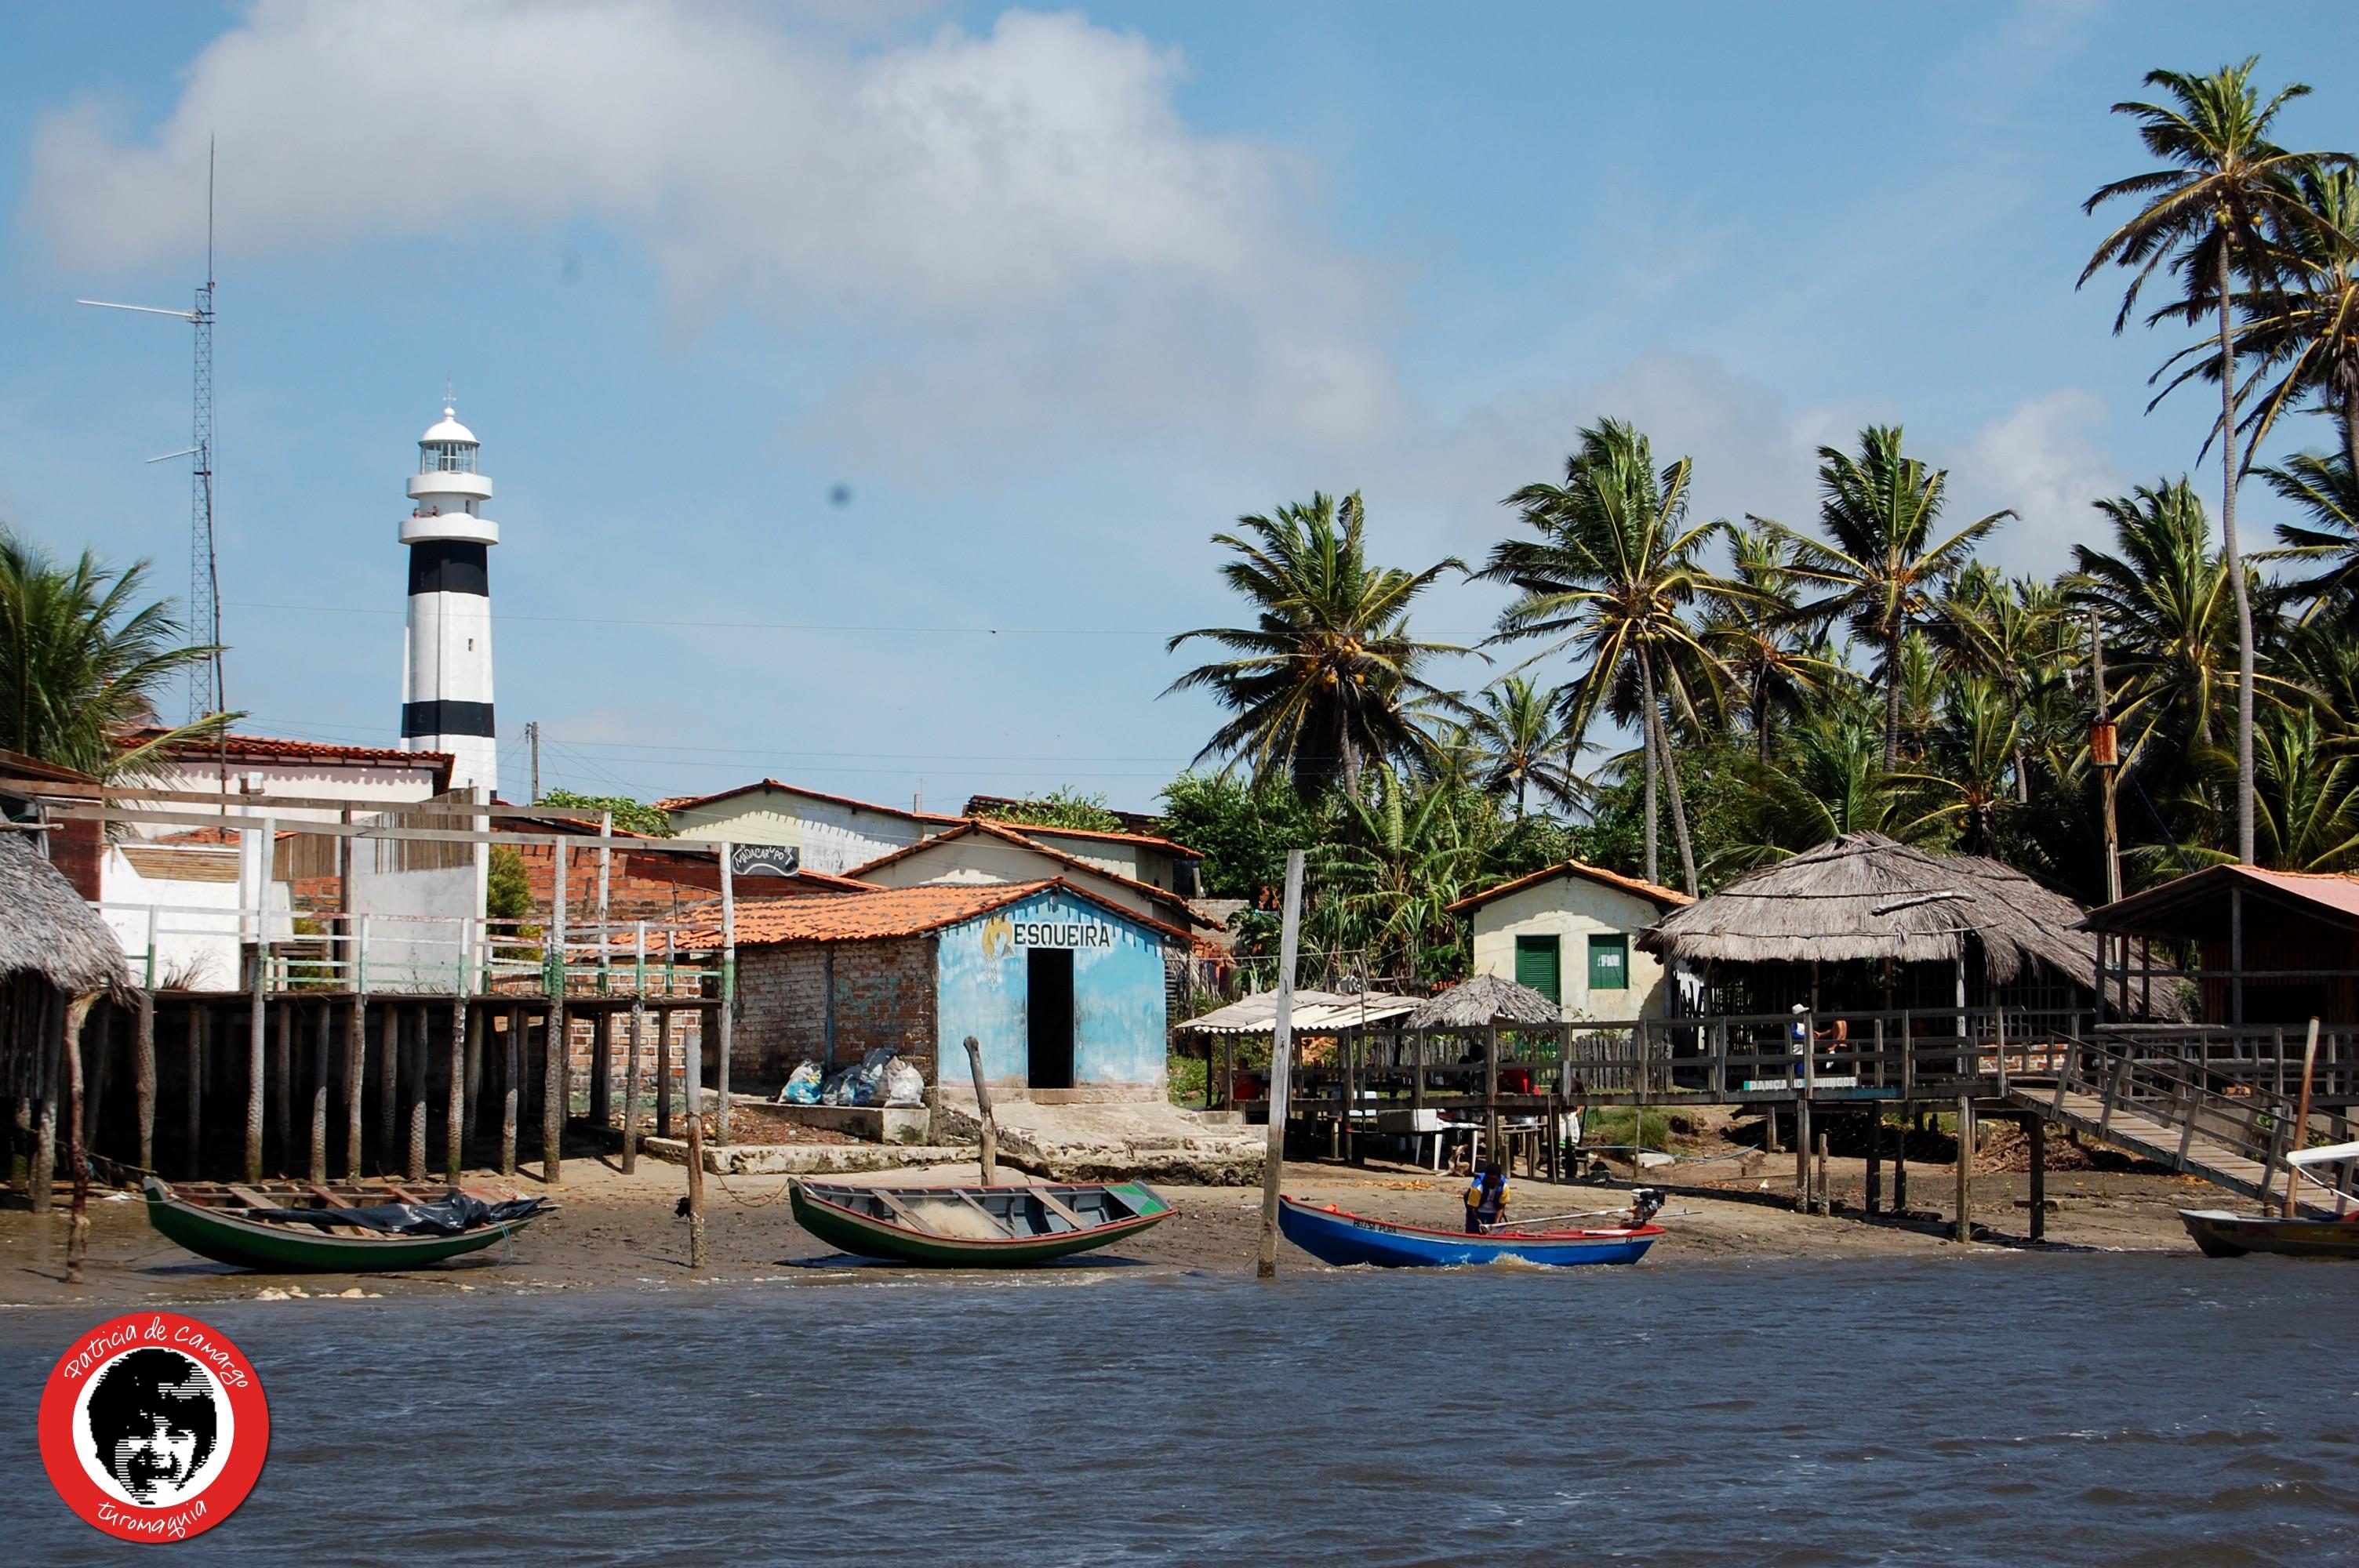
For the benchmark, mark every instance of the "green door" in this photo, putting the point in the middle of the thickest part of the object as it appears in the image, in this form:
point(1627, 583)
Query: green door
point(1539, 964)
point(1609, 963)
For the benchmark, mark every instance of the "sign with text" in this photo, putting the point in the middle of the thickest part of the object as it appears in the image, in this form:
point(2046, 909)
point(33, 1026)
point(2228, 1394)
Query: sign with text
point(1062, 934)
point(764, 860)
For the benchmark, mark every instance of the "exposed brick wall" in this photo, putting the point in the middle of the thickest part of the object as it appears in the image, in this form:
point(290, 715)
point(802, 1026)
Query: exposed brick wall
point(77, 851)
point(884, 997)
point(651, 884)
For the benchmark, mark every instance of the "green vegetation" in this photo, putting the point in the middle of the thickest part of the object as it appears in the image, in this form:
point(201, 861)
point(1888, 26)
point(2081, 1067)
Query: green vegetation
point(1064, 807)
point(630, 816)
point(83, 663)
point(1777, 683)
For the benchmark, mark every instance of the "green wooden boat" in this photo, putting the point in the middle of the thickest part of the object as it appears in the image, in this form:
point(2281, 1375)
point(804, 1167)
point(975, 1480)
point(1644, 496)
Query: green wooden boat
point(319, 1231)
point(977, 1227)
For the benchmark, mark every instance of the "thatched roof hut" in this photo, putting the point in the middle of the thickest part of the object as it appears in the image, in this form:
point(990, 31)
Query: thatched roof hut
point(45, 930)
point(1484, 999)
point(1865, 897)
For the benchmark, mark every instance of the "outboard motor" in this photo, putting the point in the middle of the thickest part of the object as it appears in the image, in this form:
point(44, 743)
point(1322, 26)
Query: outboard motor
point(1645, 1203)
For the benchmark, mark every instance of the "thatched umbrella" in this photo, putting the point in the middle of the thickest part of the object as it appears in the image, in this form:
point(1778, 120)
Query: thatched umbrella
point(1865, 897)
point(51, 941)
point(1484, 1000)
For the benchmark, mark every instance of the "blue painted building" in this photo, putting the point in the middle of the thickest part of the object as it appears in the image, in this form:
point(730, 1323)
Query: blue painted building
point(1063, 990)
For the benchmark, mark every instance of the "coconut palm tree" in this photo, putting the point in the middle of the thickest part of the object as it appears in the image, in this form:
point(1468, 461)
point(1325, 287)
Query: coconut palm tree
point(2301, 315)
point(1519, 727)
point(1402, 854)
point(1970, 785)
point(2322, 486)
point(82, 660)
point(2225, 186)
point(1327, 678)
point(1609, 575)
point(2014, 634)
point(1825, 779)
point(1775, 668)
point(1879, 558)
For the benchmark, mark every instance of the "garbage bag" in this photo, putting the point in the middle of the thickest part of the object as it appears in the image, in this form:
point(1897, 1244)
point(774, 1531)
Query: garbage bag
point(903, 1085)
point(861, 1085)
point(803, 1084)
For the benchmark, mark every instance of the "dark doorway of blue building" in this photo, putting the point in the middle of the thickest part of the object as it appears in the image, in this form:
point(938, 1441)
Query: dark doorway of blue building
point(1049, 1017)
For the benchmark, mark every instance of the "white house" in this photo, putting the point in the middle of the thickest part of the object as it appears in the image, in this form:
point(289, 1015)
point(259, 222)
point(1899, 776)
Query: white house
point(979, 851)
point(829, 832)
point(1567, 931)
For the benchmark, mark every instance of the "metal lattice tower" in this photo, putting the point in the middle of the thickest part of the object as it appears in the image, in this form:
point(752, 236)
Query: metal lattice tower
point(205, 573)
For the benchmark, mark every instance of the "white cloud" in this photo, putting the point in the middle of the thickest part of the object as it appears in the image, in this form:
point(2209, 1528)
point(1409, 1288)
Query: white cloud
point(2044, 461)
point(1032, 189)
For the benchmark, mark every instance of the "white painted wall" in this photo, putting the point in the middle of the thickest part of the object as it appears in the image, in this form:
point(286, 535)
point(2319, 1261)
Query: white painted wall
point(418, 921)
point(199, 931)
point(1571, 908)
point(832, 837)
point(294, 780)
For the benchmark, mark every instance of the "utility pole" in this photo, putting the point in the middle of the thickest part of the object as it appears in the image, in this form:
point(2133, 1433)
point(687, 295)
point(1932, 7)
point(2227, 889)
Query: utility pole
point(532, 734)
point(2105, 756)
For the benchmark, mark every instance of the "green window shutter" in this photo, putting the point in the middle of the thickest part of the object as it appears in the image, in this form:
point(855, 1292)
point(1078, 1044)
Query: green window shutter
point(1609, 963)
point(1539, 965)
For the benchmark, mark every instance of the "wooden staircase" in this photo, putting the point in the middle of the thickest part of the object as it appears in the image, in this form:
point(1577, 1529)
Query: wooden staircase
point(2163, 1108)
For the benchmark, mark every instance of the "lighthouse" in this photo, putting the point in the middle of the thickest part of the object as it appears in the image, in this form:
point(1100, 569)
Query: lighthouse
point(446, 672)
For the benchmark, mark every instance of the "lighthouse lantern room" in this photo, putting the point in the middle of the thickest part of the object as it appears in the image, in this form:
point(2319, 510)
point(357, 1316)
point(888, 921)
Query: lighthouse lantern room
point(446, 674)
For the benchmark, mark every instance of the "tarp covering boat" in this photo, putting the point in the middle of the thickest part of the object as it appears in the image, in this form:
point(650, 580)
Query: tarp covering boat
point(452, 1214)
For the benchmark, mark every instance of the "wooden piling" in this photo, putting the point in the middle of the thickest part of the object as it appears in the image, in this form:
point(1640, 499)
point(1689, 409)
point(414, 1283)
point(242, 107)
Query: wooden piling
point(511, 1070)
point(77, 1149)
point(1966, 1168)
point(143, 1075)
point(726, 1028)
point(695, 1179)
point(355, 1081)
point(663, 1071)
point(479, 1020)
point(282, 1087)
point(1826, 1197)
point(1803, 1155)
point(983, 1112)
point(2298, 1139)
point(322, 1029)
point(414, 1095)
point(265, 841)
point(388, 1082)
point(1872, 1186)
point(556, 1090)
point(2035, 1130)
point(631, 1056)
point(454, 1124)
point(44, 1173)
point(602, 1084)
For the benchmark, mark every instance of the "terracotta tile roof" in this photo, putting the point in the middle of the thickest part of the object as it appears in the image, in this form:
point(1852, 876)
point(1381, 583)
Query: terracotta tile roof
point(685, 802)
point(1148, 840)
point(1667, 898)
point(276, 749)
point(1177, 905)
point(2179, 906)
point(892, 912)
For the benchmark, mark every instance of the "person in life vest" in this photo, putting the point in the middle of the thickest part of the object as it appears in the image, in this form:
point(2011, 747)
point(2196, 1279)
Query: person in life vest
point(1486, 1199)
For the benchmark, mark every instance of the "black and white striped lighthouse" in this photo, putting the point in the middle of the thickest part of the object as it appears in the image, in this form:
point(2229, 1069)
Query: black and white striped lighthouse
point(446, 674)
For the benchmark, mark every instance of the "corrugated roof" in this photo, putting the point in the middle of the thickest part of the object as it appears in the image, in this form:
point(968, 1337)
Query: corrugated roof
point(2161, 911)
point(1668, 898)
point(1314, 1013)
point(892, 912)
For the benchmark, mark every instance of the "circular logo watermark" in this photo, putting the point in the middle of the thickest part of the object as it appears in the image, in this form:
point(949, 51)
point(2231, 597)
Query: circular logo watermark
point(154, 1427)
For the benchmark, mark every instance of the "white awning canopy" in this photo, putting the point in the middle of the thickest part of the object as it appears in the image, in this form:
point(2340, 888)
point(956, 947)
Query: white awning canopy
point(1315, 1012)
point(2333, 1154)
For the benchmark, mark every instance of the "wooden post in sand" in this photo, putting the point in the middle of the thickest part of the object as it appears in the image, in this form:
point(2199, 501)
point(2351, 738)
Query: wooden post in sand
point(511, 1087)
point(556, 1090)
point(1826, 1197)
point(1802, 1154)
point(695, 1185)
point(355, 1075)
point(321, 1030)
point(1965, 1167)
point(1281, 1048)
point(2300, 1138)
point(2035, 1130)
point(631, 1058)
point(983, 1112)
point(143, 1080)
point(77, 1153)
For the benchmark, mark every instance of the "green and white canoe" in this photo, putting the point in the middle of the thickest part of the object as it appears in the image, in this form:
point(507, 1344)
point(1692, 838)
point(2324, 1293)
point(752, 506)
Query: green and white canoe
point(977, 1227)
point(213, 1221)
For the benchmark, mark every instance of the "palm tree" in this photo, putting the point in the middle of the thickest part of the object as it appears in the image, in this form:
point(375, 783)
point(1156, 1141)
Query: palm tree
point(1825, 780)
point(1774, 667)
point(1975, 766)
point(2302, 323)
point(1517, 727)
point(82, 660)
point(2224, 187)
point(2011, 633)
point(1328, 675)
point(1879, 510)
point(1402, 856)
point(1609, 575)
point(2325, 488)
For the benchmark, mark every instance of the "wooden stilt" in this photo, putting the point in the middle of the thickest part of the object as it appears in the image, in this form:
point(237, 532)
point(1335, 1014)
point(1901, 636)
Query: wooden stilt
point(2034, 1130)
point(323, 1030)
point(355, 1082)
point(44, 1173)
point(602, 1070)
point(77, 1149)
point(1900, 1165)
point(631, 1059)
point(1803, 1155)
point(143, 1075)
point(1966, 1168)
point(511, 1081)
point(257, 1026)
point(663, 1069)
point(1872, 1194)
point(479, 1021)
point(556, 1089)
point(282, 1088)
point(695, 1176)
point(454, 1124)
point(388, 1082)
point(98, 1071)
point(414, 1094)
point(1826, 1197)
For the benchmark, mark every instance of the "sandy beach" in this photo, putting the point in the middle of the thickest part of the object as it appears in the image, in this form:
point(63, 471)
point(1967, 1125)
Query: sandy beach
point(617, 1233)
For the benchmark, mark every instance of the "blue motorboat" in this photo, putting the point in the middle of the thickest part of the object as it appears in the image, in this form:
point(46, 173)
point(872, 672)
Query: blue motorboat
point(1336, 1235)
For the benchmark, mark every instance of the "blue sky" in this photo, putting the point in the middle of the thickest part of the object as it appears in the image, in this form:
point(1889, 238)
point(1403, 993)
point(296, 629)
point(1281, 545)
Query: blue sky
point(1054, 295)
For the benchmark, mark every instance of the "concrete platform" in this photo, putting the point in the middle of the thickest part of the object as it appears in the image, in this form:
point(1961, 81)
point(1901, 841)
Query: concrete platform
point(806, 1158)
point(1150, 1139)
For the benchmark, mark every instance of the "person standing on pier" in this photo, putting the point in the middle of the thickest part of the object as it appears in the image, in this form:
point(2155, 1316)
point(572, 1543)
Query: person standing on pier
point(1486, 1199)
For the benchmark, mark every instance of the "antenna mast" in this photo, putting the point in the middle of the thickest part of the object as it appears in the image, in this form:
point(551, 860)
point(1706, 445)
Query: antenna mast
point(205, 684)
